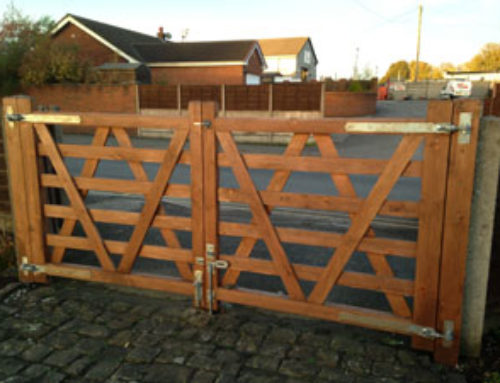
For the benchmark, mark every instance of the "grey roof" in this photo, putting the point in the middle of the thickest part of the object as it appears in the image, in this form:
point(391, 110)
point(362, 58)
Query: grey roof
point(121, 38)
point(235, 50)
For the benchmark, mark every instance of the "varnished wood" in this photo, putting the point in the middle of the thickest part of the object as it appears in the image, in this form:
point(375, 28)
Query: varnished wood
point(431, 215)
point(152, 201)
point(75, 198)
point(361, 222)
point(88, 170)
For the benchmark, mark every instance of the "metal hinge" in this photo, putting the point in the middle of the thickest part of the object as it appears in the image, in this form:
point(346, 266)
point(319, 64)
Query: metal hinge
point(30, 267)
point(204, 123)
point(464, 128)
point(431, 333)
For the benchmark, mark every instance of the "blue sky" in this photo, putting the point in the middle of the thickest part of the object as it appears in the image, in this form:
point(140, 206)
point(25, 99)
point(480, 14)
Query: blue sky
point(383, 30)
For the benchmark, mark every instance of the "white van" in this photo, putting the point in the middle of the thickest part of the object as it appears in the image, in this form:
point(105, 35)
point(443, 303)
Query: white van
point(457, 88)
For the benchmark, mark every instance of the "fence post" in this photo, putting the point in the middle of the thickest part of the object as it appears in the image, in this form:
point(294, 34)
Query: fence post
point(179, 99)
point(223, 98)
point(210, 204)
point(322, 99)
point(456, 229)
point(270, 101)
point(22, 168)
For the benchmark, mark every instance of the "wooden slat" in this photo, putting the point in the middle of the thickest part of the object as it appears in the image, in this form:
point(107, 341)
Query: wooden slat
point(140, 280)
point(75, 198)
point(33, 198)
point(430, 229)
point(88, 170)
point(277, 183)
point(15, 166)
point(300, 236)
point(116, 185)
point(322, 165)
point(119, 247)
point(346, 188)
point(268, 231)
point(309, 126)
point(124, 120)
point(373, 319)
point(320, 202)
point(313, 273)
point(139, 173)
point(197, 200)
point(456, 231)
point(257, 161)
point(152, 200)
point(361, 222)
point(210, 187)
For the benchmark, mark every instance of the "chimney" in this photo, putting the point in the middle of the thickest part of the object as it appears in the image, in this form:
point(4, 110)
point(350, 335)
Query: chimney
point(161, 34)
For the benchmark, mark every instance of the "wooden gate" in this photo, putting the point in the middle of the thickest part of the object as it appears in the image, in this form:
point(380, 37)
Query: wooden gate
point(439, 151)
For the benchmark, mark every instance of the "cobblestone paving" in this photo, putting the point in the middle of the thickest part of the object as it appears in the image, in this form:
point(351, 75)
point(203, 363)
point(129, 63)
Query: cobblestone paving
point(72, 331)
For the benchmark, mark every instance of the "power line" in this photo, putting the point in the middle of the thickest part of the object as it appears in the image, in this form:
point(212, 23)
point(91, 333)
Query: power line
point(399, 17)
point(370, 10)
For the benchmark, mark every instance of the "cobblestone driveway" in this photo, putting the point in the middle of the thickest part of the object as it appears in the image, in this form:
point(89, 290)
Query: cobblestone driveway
point(81, 332)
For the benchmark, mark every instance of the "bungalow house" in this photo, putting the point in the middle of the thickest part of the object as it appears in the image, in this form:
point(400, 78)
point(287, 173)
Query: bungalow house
point(289, 59)
point(201, 63)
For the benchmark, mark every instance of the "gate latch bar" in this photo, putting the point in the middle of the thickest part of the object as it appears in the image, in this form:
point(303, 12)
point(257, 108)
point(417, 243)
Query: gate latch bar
point(431, 333)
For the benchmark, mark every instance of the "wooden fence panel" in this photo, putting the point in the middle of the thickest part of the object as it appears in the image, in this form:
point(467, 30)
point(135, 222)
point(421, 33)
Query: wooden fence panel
point(244, 97)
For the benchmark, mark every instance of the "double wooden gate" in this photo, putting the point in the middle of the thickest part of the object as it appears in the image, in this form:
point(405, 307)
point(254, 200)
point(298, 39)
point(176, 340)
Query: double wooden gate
point(438, 152)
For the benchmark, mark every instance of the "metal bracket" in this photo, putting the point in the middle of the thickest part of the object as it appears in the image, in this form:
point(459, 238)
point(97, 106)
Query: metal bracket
point(431, 333)
point(31, 268)
point(465, 127)
point(204, 123)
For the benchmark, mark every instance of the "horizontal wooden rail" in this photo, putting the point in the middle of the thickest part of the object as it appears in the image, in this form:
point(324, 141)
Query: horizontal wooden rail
point(374, 319)
point(257, 161)
point(118, 247)
point(121, 120)
point(351, 279)
point(288, 235)
point(320, 202)
point(141, 280)
point(313, 126)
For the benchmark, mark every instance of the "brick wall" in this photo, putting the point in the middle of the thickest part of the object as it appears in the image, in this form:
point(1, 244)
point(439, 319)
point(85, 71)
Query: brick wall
point(348, 104)
point(198, 75)
point(89, 49)
point(86, 98)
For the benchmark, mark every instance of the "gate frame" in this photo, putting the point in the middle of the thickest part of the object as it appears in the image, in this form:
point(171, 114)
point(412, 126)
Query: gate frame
point(23, 163)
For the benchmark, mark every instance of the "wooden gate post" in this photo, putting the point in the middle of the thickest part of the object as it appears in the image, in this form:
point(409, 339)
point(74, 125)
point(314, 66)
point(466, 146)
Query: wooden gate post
point(456, 229)
point(24, 188)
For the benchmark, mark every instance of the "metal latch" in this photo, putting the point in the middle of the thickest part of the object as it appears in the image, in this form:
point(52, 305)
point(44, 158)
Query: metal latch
point(198, 286)
point(15, 117)
point(204, 123)
point(464, 128)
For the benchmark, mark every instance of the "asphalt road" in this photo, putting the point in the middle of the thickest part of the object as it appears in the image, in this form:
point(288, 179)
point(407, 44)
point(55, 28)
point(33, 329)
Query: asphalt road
point(355, 146)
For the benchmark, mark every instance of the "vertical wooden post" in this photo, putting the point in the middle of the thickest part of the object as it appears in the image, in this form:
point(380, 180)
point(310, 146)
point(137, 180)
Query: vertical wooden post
point(223, 98)
point(456, 230)
point(179, 99)
point(270, 101)
point(23, 185)
point(322, 100)
point(197, 187)
point(431, 215)
point(210, 184)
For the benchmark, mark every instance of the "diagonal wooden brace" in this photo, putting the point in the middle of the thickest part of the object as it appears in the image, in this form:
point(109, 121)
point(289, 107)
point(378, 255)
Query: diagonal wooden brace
point(75, 198)
point(152, 201)
point(361, 223)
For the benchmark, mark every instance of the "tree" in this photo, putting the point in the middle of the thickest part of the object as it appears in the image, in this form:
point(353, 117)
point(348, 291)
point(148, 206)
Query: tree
point(488, 59)
point(400, 70)
point(18, 35)
point(53, 63)
point(426, 71)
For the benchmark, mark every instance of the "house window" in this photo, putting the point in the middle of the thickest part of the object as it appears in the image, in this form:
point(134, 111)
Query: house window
point(307, 57)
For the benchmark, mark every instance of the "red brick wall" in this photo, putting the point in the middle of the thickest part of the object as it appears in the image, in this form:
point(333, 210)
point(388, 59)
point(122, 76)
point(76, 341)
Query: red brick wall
point(86, 98)
point(89, 48)
point(198, 75)
point(254, 64)
point(349, 104)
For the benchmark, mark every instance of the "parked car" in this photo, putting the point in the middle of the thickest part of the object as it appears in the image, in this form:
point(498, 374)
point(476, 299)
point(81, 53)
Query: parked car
point(457, 88)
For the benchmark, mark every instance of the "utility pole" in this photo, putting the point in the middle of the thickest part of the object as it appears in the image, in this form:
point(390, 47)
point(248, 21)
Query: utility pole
point(418, 42)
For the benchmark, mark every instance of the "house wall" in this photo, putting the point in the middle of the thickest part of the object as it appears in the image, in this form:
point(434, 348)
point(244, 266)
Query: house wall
point(303, 62)
point(213, 75)
point(286, 65)
point(254, 65)
point(90, 49)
